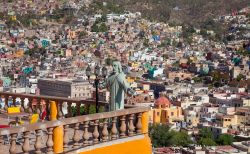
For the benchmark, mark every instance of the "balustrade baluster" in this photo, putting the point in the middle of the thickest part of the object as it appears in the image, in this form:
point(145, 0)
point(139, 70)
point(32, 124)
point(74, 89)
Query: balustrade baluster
point(69, 108)
point(13, 143)
point(26, 144)
point(47, 109)
point(38, 144)
point(96, 132)
point(114, 130)
point(105, 132)
point(76, 137)
point(131, 125)
point(6, 102)
point(22, 109)
point(30, 110)
point(38, 107)
point(86, 134)
point(139, 124)
point(14, 101)
point(66, 138)
point(50, 141)
point(78, 106)
point(123, 126)
point(59, 109)
point(87, 106)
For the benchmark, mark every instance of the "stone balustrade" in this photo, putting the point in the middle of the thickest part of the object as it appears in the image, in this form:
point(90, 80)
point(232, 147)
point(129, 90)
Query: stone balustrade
point(78, 132)
point(37, 107)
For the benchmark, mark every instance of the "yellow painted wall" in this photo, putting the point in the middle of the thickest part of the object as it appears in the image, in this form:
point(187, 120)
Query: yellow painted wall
point(195, 121)
point(157, 115)
point(140, 146)
point(150, 116)
point(173, 113)
point(163, 115)
point(239, 119)
point(228, 121)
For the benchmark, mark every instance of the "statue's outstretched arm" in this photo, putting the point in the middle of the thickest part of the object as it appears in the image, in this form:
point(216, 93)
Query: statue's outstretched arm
point(126, 86)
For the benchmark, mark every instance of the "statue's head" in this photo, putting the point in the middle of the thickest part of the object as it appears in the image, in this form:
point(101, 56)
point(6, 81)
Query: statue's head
point(117, 67)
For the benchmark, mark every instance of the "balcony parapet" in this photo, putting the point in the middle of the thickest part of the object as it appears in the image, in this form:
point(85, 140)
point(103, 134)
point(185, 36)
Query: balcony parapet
point(78, 132)
point(37, 107)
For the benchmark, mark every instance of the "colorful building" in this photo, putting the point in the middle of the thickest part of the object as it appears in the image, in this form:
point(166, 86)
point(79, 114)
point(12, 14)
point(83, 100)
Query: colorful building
point(225, 120)
point(164, 112)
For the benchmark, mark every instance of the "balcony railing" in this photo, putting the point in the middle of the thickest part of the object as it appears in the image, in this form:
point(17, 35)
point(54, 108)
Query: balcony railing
point(65, 135)
point(37, 107)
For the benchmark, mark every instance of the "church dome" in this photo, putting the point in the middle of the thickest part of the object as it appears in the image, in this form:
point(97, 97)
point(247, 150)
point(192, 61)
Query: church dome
point(162, 102)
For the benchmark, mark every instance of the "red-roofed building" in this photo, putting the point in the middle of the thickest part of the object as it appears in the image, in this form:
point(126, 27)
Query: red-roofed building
point(162, 102)
point(166, 150)
point(165, 112)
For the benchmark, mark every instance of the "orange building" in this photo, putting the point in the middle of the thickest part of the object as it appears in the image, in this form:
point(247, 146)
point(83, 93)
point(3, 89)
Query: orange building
point(164, 112)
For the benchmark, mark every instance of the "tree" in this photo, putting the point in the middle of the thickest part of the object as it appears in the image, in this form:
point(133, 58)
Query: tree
point(103, 27)
point(94, 28)
point(146, 42)
point(180, 139)
point(206, 137)
point(205, 133)
point(159, 135)
point(197, 79)
point(174, 43)
point(104, 18)
point(207, 142)
point(2, 16)
point(225, 139)
point(115, 8)
point(240, 77)
point(83, 110)
point(162, 136)
point(189, 40)
point(188, 31)
point(216, 75)
point(82, 34)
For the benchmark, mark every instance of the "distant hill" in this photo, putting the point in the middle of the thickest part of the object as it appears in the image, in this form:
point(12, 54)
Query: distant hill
point(180, 11)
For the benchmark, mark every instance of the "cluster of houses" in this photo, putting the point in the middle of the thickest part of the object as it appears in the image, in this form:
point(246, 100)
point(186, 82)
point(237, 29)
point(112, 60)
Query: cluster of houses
point(188, 85)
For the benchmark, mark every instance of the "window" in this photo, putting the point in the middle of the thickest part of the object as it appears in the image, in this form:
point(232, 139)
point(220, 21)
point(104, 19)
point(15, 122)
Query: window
point(158, 113)
point(172, 113)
